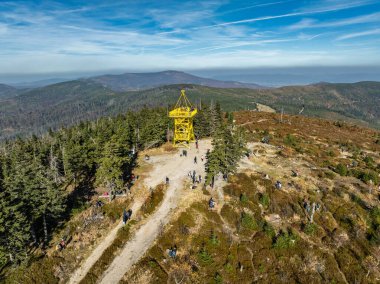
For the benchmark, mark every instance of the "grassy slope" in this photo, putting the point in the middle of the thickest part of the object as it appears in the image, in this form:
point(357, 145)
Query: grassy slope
point(241, 245)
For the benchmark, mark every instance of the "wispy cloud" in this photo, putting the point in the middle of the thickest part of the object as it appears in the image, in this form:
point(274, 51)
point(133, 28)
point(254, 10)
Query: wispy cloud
point(197, 33)
point(359, 34)
point(3, 29)
point(311, 23)
point(294, 14)
point(254, 6)
point(237, 44)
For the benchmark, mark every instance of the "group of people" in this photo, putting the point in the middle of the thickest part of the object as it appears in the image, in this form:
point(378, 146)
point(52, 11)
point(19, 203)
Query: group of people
point(196, 160)
point(184, 153)
point(194, 177)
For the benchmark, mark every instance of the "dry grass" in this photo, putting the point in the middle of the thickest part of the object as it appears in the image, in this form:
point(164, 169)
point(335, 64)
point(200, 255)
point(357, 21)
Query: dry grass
point(168, 147)
point(339, 246)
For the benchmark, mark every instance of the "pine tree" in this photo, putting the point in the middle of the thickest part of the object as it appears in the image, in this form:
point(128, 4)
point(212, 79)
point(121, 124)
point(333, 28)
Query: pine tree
point(32, 172)
point(203, 123)
point(14, 223)
point(114, 159)
point(228, 148)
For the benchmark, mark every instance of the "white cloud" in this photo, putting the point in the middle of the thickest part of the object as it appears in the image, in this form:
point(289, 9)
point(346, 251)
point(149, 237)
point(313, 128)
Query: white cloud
point(64, 40)
point(263, 57)
point(254, 6)
point(3, 29)
point(317, 10)
point(359, 34)
point(311, 23)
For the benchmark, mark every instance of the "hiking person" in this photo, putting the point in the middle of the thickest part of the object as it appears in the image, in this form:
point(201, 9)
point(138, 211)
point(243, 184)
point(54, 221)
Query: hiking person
point(99, 204)
point(307, 207)
point(173, 251)
point(211, 203)
point(278, 185)
point(127, 215)
point(195, 159)
point(61, 245)
point(225, 176)
point(167, 180)
point(200, 178)
point(196, 144)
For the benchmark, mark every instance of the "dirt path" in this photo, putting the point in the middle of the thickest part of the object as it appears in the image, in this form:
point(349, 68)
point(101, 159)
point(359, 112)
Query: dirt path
point(176, 168)
point(98, 251)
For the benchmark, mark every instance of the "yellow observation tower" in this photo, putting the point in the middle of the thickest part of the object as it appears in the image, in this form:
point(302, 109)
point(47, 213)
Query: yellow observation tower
point(183, 114)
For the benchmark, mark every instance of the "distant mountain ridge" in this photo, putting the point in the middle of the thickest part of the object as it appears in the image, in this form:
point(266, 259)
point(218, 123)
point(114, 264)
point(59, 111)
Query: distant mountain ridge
point(67, 103)
point(7, 91)
point(40, 83)
point(143, 81)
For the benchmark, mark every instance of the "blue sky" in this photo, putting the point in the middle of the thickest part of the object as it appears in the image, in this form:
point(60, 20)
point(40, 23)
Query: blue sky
point(65, 36)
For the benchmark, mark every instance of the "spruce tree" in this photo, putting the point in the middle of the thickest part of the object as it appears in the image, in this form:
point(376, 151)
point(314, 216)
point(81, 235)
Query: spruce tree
point(15, 225)
point(111, 164)
point(228, 147)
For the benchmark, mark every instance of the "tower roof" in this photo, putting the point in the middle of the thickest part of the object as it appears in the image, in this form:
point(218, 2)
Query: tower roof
point(183, 107)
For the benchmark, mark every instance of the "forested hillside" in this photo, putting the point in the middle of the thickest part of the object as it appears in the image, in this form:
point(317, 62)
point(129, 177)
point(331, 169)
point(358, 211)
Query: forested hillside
point(42, 180)
point(257, 231)
point(7, 91)
point(142, 81)
point(68, 103)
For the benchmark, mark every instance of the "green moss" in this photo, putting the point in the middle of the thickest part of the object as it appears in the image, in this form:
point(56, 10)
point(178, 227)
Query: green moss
point(285, 240)
point(248, 222)
point(310, 229)
point(218, 279)
point(213, 240)
point(329, 174)
point(291, 141)
point(268, 230)
point(205, 257)
point(341, 169)
point(373, 232)
point(369, 161)
point(243, 198)
point(264, 200)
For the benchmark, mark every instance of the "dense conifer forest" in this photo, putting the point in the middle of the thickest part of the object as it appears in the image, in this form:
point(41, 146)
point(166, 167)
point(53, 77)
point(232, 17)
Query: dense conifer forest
point(44, 180)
